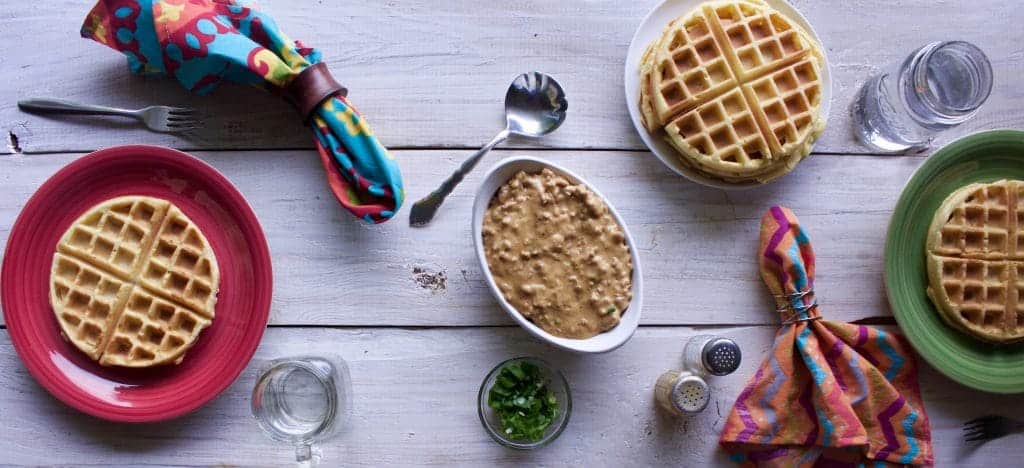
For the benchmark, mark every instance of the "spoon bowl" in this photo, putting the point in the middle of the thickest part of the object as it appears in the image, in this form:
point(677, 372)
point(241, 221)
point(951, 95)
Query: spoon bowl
point(535, 105)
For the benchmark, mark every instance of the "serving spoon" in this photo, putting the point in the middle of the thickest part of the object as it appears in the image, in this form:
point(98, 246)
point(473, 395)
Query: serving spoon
point(535, 105)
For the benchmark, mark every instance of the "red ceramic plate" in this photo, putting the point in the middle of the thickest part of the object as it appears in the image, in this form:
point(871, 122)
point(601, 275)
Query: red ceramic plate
point(223, 349)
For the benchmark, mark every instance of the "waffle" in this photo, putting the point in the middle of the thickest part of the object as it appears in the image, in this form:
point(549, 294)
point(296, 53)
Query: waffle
point(133, 282)
point(694, 76)
point(722, 135)
point(85, 300)
point(757, 39)
point(975, 264)
point(151, 331)
point(687, 67)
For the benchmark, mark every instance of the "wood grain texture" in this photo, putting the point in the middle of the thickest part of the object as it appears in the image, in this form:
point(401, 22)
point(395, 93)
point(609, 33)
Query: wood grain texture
point(414, 399)
point(697, 245)
point(432, 73)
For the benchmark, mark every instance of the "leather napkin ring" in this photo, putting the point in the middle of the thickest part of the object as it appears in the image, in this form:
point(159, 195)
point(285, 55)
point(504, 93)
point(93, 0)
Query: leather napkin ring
point(310, 88)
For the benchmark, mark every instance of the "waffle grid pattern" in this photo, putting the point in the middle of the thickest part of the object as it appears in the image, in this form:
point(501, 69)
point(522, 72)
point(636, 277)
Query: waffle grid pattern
point(88, 300)
point(976, 257)
point(716, 49)
point(116, 236)
point(759, 41)
point(980, 226)
point(979, 288)
point(177, 264)
point(156, 286)
point(691, 70)
point(786, 103)
point(150, 327)
point(725, 126)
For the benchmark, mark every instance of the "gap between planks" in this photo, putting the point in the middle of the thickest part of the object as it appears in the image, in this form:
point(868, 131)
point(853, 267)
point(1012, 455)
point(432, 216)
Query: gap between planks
point(545, 149)
point(696, 326)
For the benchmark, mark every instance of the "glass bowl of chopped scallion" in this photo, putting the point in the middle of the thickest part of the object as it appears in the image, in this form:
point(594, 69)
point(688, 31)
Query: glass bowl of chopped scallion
point(524, 403)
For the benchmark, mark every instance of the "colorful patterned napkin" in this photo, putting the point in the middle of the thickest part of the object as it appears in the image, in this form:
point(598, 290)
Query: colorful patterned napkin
point(830, 393)
point(203, 42)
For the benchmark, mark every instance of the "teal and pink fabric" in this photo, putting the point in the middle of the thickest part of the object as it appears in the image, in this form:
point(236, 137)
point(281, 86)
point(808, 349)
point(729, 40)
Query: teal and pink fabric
point(204, 42)
point(829, 393)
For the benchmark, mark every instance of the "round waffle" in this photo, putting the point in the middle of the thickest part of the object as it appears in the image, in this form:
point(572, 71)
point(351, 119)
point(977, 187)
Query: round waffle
point(975, 255)
point(735, 87)
point(133, 282)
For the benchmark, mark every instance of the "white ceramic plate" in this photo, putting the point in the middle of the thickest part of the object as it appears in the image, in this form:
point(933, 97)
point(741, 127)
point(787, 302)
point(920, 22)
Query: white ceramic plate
point(649, 31)
point(601, 343)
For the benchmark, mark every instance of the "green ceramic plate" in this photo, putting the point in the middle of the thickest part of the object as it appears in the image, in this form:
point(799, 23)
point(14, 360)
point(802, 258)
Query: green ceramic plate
point(982, 157)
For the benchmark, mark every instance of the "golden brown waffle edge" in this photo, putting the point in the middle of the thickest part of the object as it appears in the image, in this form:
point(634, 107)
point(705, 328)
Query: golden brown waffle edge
point(99, 285)
point(975, 275)
point(789, 122)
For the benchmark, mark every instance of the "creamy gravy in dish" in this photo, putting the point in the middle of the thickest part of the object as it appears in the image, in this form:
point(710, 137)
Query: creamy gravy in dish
point(557, 255)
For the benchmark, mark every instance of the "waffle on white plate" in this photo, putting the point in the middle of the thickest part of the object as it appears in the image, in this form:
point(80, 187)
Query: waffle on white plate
point(134, 282)
point(975, 256)
point(735, 86)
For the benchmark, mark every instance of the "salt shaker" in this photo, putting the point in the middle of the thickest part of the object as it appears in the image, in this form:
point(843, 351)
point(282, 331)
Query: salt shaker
point(682, 393)
point(711, 355)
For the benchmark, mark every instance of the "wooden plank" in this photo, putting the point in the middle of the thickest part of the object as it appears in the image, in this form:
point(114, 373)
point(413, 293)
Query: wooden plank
point(432, 73)
point(414, 395)
point(697, 244)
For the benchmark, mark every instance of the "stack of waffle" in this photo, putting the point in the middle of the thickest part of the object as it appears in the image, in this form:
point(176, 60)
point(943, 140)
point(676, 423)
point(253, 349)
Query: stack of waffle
point(736, 88)
point(975, 255)
point(133, 282)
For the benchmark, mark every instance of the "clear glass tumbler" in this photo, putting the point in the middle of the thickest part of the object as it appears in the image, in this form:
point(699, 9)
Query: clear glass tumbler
point(938, 86)
point(302, 401)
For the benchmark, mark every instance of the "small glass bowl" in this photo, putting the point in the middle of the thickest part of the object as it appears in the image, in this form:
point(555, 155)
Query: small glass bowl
point(556, 383)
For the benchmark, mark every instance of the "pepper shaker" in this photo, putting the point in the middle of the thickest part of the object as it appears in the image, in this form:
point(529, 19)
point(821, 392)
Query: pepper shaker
point(711, 355)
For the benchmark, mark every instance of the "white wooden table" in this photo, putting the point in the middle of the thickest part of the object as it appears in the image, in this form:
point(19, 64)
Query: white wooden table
point(408, 308)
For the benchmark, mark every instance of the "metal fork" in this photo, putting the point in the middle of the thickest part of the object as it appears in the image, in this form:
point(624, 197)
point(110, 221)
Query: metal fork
point(163, 119)
point(991, 427)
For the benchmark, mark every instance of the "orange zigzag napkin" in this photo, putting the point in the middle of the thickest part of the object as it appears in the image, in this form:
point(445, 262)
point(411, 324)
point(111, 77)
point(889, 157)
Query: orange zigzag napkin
point(830, 393)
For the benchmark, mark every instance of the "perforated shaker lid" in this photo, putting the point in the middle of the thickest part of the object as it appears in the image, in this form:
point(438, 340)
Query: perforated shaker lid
point(690, 394)
point(721, 356)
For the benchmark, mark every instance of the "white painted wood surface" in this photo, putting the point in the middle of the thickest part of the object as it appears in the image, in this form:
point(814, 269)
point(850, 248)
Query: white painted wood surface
point(696, 244)
point(430, 74)
point(415, 404)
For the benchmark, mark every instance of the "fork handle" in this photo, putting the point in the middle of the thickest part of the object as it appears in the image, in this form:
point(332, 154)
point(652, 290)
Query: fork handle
point(61, 106)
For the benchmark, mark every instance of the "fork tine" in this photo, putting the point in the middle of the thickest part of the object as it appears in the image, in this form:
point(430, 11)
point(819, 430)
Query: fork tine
point(980, 420)
point(182, 121)
point(181, 110)
point(973, 433)
point(978, 438)
point(970, 426)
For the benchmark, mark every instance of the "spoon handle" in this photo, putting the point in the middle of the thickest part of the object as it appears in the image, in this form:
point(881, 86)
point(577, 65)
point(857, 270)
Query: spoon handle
point(424, 209)
point(449, 184)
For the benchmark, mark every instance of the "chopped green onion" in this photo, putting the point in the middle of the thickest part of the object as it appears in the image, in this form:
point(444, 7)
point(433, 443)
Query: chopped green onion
point(523, 402)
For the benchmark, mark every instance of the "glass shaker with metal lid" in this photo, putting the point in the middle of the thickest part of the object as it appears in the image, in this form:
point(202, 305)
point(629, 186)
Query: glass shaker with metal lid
point(711, 355)
point(682, 393)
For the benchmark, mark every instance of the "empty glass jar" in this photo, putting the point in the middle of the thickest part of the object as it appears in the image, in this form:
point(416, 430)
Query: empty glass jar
point(938, 86)
point(302, 401)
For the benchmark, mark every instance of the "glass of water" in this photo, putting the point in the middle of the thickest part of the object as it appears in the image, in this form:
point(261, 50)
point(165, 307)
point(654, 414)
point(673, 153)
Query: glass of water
point(939, 86)
point(302, 401)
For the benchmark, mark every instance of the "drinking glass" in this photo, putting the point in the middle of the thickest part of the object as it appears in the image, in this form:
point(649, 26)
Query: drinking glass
point(939, 86)
point(302, 400)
